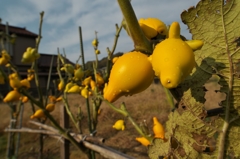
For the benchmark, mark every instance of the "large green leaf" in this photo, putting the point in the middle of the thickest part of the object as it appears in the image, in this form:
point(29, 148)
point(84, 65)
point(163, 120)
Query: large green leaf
point(217, 23)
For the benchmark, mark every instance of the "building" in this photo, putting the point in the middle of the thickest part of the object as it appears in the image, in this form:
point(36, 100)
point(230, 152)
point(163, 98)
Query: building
point(24, 39)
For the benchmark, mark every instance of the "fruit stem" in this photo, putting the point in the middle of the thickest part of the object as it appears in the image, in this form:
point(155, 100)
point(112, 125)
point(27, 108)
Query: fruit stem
point(140, 41)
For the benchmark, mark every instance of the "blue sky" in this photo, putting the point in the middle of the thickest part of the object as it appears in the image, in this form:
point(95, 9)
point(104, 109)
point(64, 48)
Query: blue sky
point(62, 19)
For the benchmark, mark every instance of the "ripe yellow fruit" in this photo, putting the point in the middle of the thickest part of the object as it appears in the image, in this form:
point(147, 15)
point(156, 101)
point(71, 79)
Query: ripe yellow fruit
point(143, 141)
point(52, 99)
point(24, 99)
point(132, 73)
point(68, 86)
point(68, 68)
point(50, 107)
point(38, 114)
point(151, 27)
point(85, 92)
point(30, 55)
point(158, 129)
point(25, 83)
point(74, 89)
point(99, 79)
point(114, 59)
point(61, 85)
point(95, 43)
point(93, 84)
point(30, 77)
point(5, 58)
point(6, 55)
point(195, 44)
point(14, 81)
point(172, 59)
point(3, 61)
point(119, 125)
point(97, 52)
point(59, 99)
point(12, 96)
point(86, 81)
point(78, 74)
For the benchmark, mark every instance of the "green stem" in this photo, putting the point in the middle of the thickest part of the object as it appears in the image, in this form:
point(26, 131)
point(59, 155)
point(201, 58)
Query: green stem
point(125, 113)
point(110, 53)
point(35, 62)
point(69, 112)
point(141, 43)
point(169, 97)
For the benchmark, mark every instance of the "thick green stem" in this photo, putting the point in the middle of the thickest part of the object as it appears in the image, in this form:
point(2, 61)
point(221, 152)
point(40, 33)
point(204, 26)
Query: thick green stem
point(140, 41)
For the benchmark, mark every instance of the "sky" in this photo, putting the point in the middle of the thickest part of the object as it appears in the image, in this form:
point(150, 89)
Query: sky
point(62, 20)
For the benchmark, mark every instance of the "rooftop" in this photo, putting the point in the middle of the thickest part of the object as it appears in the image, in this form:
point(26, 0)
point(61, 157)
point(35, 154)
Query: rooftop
point(17, 30)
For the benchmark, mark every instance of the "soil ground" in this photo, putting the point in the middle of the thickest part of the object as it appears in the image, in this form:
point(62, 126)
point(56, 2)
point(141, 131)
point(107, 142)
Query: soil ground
point(142, 106)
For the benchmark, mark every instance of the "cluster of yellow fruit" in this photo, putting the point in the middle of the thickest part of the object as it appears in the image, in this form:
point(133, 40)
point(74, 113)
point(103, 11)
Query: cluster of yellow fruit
point(95, 43)
point(158, 131)
point(49, 107)
point(86, 84)
point(16, 83)
point(5, 58)
point(172, 61)
point(30, 55)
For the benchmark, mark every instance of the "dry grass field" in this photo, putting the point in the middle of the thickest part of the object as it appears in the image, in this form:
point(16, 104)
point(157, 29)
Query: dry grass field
point(143, 106)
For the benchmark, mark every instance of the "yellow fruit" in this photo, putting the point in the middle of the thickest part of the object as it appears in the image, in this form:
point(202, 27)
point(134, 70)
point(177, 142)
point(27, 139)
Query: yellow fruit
point(52, 99)
point(30, 55)
point(195, 44)
point(68, 68)
point(158, 129)
point(93, 84)
point(68, 86)
point(95, 43)
point(86, 81)
point(143, 141)
point(74, 89)
point(78, 74)
point(30, 77)
point(14, 81)
point(61, 85)
point(24, 99)
point(30, 71)
point(97, 52)
point(50, 107)
point(119, 125)
point(5, 58)
point(25, 83)
point(172, 59)
point(59, 99)
point(151, 27)
point(6, 55)
point(99, 79)
point(114, 59)
point(3, 61)
point(85, 92)
point(12, 96)
point(131, 74)
point(38, 114)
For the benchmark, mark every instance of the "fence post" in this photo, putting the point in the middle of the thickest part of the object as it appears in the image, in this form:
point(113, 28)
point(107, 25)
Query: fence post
point(64, 122)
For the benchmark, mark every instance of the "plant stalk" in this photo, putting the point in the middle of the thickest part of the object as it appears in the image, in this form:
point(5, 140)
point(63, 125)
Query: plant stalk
point(141, 43)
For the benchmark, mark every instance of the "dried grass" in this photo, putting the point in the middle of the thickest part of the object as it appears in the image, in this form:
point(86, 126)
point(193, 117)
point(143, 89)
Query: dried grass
point(142, 106)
